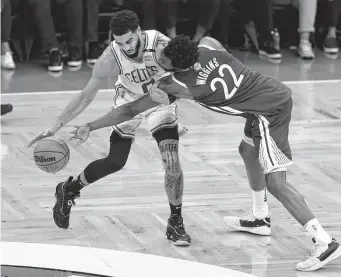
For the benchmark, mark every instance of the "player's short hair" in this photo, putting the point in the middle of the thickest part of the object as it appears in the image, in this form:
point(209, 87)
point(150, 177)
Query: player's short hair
point(124, 21)
point(182, 51)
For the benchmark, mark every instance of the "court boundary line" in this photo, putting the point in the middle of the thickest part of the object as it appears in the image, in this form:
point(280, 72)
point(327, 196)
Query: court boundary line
point(331, 81)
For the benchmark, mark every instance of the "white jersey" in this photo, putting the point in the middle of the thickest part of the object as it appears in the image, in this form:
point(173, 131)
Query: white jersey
point(137, 77)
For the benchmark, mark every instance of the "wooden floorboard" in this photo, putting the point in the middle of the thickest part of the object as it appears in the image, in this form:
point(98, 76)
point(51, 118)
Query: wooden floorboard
point(128, 210)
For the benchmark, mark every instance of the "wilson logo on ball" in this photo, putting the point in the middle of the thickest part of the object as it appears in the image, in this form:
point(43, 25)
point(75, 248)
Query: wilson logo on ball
point(42, 159)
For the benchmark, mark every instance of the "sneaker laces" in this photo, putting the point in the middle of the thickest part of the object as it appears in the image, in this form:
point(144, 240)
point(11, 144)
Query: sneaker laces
point(179, 225)
point(71, 196)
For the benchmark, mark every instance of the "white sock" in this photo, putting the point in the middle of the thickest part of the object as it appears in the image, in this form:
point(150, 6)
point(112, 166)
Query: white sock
point(260, 207)
point(316, 231)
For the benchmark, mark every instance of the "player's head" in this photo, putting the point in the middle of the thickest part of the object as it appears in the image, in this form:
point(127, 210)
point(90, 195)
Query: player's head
point(181, 53)
point(126, 31)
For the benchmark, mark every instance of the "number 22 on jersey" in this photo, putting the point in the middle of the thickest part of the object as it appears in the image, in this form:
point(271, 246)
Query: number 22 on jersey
point(236, 81)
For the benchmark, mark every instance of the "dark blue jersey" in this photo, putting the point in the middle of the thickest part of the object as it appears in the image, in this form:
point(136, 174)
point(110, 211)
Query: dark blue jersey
point(221, 82)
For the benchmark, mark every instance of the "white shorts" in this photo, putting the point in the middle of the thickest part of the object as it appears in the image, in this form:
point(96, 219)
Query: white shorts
point(163, 116)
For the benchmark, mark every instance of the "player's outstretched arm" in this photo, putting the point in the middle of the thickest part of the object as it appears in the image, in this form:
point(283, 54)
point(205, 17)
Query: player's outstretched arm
point(105, 66)
point(114, 117)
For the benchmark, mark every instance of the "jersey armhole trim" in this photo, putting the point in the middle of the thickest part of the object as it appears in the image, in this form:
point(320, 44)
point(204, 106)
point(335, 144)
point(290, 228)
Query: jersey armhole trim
point(205, 46)
point(179, 82)
point(116, 58)
point(154, 47)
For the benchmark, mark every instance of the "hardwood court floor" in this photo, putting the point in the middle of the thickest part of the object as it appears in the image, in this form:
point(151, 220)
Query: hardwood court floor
point(128, 210)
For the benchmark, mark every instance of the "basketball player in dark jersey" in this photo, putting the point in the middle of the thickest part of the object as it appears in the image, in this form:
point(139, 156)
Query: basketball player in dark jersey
point(212, 77)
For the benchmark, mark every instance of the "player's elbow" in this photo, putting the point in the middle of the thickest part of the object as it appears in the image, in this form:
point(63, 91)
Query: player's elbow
point(212, 42)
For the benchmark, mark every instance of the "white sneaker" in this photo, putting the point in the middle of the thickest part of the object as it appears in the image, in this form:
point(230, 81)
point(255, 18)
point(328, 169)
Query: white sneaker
point(321, 254)
point(305, 50)
point(182, 130)
point(7, 61)
point(250, 224)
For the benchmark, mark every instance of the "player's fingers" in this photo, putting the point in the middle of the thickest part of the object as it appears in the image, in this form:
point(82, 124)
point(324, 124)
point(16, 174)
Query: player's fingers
point(73, 133)
point(35, 139)
point(79, 142)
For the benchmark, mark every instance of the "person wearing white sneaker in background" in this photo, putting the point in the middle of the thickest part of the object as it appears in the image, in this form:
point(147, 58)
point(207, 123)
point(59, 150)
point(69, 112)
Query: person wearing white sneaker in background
point(7, 61)
point(307, 14)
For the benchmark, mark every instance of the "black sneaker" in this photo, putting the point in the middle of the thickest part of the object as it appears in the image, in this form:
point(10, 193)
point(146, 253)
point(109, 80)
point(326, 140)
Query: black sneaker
point(176, 231)
point(330, 46)
point(55, 61)
point(64, 202)
point(250, 224)
point(321, 254)
point(75, 56)
point(6, 108)
point(269, 50)
point(95, 51)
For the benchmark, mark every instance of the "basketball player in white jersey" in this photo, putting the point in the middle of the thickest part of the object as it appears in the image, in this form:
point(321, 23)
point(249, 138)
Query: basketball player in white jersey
point(132, 56)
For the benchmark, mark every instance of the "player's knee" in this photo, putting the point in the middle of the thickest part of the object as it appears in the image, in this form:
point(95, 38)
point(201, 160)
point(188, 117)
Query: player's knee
point(114, 164)
point(246, 150)
point(275, 183)
point(168, 142)
point(166, 134)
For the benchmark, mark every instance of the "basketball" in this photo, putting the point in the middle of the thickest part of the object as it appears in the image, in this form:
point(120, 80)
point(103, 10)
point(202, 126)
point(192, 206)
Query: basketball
point(51, 154)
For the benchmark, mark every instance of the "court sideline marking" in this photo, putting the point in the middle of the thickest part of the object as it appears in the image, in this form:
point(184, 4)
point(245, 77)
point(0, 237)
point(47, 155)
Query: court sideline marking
point(332, 81)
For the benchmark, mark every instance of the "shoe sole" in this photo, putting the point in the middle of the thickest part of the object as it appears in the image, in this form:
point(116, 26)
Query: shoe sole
point(74, 63)
point(178, 242)
point(55, 68)
point(261, 231)
point(91, 61)
point(270, 56)
point(331, 50)
point(335, 255)
point(306, 58)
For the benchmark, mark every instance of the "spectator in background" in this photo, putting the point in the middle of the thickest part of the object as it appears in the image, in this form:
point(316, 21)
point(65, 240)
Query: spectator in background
point(261, 12)
point(74, 11)
point(7, 61)
point(332, 17)
point(307, 14)
point(204, 12)
point(42, 14)
point(78, 13)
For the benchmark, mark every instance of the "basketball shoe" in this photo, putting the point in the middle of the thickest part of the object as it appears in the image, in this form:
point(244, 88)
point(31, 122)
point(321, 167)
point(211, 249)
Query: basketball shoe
point(250, 224)
point(182, 130)
point(64, 201)
point(176, 231)
point(321, 254)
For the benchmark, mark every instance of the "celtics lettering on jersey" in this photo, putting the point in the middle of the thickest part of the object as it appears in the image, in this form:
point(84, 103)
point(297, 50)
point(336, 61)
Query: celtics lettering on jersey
point(140, 75)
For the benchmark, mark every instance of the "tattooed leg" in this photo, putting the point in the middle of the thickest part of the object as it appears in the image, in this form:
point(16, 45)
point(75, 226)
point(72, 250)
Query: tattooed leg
point(174, 182)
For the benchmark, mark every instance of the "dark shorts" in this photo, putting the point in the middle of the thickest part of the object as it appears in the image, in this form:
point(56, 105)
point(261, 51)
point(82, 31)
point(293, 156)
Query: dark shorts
point(270, 137)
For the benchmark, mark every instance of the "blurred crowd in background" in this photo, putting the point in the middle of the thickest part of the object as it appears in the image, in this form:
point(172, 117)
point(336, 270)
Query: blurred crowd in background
point(75, 31)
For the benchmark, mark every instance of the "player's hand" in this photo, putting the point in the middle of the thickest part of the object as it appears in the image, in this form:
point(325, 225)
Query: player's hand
point(158, 95)
point(81, 133)
point(49, 132)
